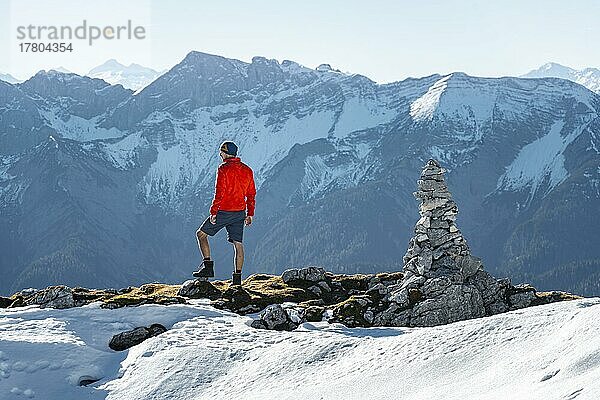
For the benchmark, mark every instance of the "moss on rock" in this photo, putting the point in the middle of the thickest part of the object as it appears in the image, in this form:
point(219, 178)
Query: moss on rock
point(259, 291)
point(552, 297)
point(151, 293)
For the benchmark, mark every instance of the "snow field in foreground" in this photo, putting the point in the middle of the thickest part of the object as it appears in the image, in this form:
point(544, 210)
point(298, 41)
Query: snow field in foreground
point(545, 352)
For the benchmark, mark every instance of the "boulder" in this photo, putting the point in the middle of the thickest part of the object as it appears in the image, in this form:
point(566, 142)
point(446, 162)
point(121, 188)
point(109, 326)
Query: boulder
point(52, 297)
point(125, 340)
point(469, 265)
point(196, 289)
point(455, 303)
point(275, 317)
point(237, 299)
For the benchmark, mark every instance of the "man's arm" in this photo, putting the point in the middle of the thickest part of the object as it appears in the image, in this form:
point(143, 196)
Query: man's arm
point(219, 189)
point(250, 196)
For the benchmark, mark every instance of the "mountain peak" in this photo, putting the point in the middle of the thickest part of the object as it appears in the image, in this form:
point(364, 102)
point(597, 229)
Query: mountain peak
point(264, 60)
point(199, 57)
point(54, 74)
point(324, 68)
point(108, 65)
point(551, 69)
point(588, 77)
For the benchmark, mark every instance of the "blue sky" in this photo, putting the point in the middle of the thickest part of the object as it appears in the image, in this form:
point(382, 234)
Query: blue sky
point(384, 40)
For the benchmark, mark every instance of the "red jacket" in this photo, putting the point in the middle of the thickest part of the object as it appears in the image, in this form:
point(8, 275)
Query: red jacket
point(234, 188)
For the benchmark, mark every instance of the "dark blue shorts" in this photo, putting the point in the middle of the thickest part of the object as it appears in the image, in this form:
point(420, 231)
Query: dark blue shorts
point(233, 221)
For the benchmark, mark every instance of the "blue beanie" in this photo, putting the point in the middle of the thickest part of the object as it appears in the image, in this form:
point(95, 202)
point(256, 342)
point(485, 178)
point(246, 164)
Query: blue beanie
point(229, 148)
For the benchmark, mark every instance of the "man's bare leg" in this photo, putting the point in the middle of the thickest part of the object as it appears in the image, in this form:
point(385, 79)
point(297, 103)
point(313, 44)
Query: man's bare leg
point(238, 257)
point(203, 244)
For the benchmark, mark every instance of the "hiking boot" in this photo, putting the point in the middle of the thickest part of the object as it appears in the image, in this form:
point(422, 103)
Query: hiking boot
point(205, 270)
point(236, 279)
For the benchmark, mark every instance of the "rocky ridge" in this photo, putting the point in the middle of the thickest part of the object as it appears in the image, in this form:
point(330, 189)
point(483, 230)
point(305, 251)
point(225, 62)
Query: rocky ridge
point(280, 302)
point(441, 282)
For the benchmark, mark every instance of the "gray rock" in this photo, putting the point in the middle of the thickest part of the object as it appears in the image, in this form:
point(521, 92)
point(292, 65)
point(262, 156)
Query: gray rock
point(310, 274)
point(436, 286)
point(497, 307)
point(456, 303)
point(125, 340)
point(469, 265)
point(392, 316)
point(521, 299)
point(414, 281)
point(196, 289)
point(432, 185)
point(379, 289)
point(275, 317)
point(401, 319)
point(53, 297)
point(424, 260)
point(421, 238)
point(437, 224)
point(400, 297)
point(324, 286)
point(296, 314)
point(259, 324)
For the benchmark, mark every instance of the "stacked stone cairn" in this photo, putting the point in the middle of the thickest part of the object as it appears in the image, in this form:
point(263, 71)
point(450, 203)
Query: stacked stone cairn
point(442, 281)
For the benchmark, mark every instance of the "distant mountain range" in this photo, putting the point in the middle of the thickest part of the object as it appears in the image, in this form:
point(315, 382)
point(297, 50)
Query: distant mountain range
point(101, 186)
point(136, 76)
point(588, 77)
point(133, 77)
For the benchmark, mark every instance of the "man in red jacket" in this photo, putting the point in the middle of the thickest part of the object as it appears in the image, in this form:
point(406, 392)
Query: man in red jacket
point(232, 208)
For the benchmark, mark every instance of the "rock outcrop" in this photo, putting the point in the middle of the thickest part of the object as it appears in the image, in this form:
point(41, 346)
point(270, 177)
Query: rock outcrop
point(65, 297)
point(354, 300)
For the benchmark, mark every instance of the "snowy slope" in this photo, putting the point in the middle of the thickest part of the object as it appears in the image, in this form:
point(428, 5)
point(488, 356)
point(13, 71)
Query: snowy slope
point(542, 160)
point(549, 352)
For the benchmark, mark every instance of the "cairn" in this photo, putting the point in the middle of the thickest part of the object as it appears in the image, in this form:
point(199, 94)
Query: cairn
point(438, 248)
point(442, 281)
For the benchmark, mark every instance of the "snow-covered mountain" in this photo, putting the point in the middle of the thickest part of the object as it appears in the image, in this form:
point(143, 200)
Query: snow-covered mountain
point(111, 185)
point(133, 77)
point(588, 77)
point(8, 78)
point(545, 352)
